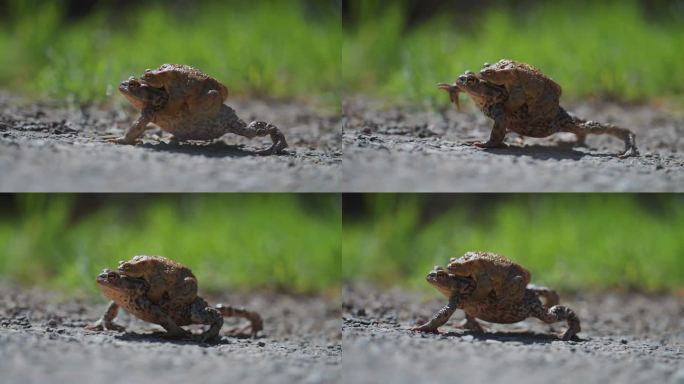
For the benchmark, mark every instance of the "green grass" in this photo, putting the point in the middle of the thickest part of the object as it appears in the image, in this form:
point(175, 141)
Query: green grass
point(274, 242)
point(571, 242)
point(270, 49)
point(593, 49)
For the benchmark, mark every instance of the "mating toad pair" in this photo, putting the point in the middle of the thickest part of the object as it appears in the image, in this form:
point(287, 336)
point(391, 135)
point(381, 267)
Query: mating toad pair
point(520, 99)
point(188, 104)
point(492, 288)
point(164, 292)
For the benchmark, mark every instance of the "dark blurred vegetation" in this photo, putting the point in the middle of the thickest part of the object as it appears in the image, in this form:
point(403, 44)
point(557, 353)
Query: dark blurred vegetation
point(279, 242)
point(568, 241)
point(80, 50)
point(618, 49)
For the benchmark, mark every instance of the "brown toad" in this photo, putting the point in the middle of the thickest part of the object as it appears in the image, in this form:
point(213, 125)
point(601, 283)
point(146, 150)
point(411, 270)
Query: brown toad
point(459, 291)
point(526, 86)
point(130, 294)
point(168, 280)
point(188, 104)
point(539, 116)
point(185, 84)
point(491, 272)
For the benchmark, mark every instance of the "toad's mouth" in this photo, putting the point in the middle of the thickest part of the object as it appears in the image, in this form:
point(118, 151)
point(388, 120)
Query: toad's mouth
point(133, 84)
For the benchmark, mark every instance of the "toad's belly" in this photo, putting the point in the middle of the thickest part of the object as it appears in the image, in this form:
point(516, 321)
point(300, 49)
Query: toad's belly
point(179, 315)
point(501, 312)
point(188, 127)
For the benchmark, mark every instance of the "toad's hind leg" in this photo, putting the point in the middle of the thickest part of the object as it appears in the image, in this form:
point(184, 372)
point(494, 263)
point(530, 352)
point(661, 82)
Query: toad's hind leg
point(255, 322)
point(254, 129)
point(160, 317)
point(202, 313)
point(550, 296)
point(581, 128)
point(552, 315)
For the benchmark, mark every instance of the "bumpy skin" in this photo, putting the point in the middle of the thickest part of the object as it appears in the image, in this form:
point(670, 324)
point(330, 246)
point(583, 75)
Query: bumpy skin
point(167, 279)
point(193, 110)
point(526, 86)
point(491, 272)
point(459, 291)
point(130, 294)
point(185, 84)
point(539, 117)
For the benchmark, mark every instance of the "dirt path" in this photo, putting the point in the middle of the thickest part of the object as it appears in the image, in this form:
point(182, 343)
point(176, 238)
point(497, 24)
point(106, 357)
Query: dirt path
point(625, 339)
point(47, 148)
point(42, 340)
point(389, 149)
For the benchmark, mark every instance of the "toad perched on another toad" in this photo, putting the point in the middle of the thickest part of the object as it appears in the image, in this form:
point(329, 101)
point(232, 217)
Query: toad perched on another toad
point(168, 280)
point(491, 272)
point(521, 99)
point(132, 294)
point(459, 291)
point(188, 104)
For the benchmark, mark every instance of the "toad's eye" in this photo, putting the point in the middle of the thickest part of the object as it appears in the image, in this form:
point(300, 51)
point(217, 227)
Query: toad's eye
point(470, 80)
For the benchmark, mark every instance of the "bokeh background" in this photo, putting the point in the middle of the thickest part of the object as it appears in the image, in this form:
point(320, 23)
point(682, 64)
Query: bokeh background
point(573, 242)
point(80, 50)
point(624, 50)
point(272, 242)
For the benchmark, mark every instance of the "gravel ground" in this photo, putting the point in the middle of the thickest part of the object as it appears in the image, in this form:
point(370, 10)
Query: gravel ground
point(396, 150)
point(42, 340)
point(44, 147)
point(625, 338)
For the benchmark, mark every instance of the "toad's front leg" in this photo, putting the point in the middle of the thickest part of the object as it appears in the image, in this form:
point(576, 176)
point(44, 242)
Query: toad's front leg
point(496, 138)
point(440, 318)
point(107, 320)
point(133, 134)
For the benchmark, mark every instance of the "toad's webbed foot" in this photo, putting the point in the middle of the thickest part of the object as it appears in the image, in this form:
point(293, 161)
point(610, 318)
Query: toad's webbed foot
point(262, 129)
point(629, 152)
point(107, 320)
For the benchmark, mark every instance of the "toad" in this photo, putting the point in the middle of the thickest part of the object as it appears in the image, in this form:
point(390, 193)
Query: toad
point(491, 272)
point(130, 294)
point(534, 110)
point(459, 291)
point(188, 104)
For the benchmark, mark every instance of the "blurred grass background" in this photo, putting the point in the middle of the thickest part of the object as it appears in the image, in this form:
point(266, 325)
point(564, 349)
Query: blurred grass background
point(574, 242)
point(623, 50)
point(277, 242)
point(80, 50)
